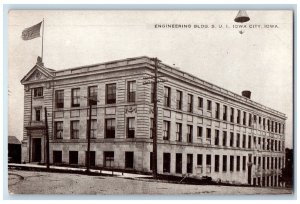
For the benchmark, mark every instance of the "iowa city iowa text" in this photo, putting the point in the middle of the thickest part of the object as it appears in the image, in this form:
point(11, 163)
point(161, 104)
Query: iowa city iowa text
point(203, 26)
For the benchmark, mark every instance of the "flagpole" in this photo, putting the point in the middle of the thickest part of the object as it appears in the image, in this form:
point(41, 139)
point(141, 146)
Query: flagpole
point(43, 40)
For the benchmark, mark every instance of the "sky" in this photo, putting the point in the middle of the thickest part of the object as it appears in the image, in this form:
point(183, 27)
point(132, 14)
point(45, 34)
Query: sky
point(260, 59)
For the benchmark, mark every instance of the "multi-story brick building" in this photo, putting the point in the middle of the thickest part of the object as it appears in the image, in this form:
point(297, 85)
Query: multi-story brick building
point(203, 129)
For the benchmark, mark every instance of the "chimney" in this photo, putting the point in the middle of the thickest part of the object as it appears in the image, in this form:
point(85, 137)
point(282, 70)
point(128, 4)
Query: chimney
point(246, 94)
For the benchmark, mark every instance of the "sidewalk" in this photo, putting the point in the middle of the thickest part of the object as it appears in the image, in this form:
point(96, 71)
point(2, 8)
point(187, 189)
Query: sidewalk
point(77, 170)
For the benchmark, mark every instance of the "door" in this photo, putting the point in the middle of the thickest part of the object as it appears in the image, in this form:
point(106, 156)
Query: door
point(36, 149)
point(129, 160)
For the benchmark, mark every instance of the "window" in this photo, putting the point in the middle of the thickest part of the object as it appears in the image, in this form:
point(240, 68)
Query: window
point(189, 164)
point(217, 163)
point(38, 92)
point(199, 159)
point(59, 99)
point(178, 100)
point(238, 140)
point(110, 128)
point(244, 118)
point(244, 141)
point(167, 96)
point(232, 115)
point(111, 93)
point(264, 143)
point(108, 159)
point(249, 142)
point(93, 128)
point(238, 119)
point(178, 163)
point(224, 138)
point(75, 98)
point(131, 89)
point(151, 160)
point(259, 120)
point(166, 162)
point(254, 142)
point(200, 133)
point(217, 116)
point(268, 162)
point(216, 137)
point(75, 129)
point(58, 130)
point(264, 123)
point(208, 105)
point(200, 102)
point(178, 132)
point(57, 157)
point(224, 112)
point(264, 163)
point(38, 114)
point(259, 142)
point(208, 135)
point(130, 127)
point(208, 163)
point(238, 158)
point(231, 139)
point(244, 163)
point(92, 95)
point(73, 157)
point(166, 130)
point(224, 163)
point(152, 93)
point(190, 103)
point(129, 157)
point(231, 163)
point(151, 127)
point(189, 133)
point(250, 120)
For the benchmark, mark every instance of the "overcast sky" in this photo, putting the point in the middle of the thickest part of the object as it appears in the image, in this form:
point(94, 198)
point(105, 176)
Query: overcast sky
point(259, 60)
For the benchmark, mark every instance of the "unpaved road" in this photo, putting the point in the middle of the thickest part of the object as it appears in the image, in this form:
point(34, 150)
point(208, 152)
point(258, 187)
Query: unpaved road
point(30, 182)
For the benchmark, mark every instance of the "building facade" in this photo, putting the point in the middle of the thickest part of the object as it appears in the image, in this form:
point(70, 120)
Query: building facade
point(203, 129)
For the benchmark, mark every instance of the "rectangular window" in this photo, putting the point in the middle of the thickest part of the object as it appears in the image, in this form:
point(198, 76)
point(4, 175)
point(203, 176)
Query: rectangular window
point(259, 142)
point(108, 159)
point(250, 120)
point(73, 157)
point(217, 163)
point(224, 163)
point(92, 95)
point(75, 129)
point(179, 100)
point(131, 89)
point(249, 142)
point(38, 92)
point(208, 135)
point(130, 127)
point(231, 163)
point(178, 163)
point(57, 157)
point(166, 162)
point(110, 128)
point(224, 112)
point(199, 159)
point(190, 103)
point(208, 105)
point(238, 139)
point(178, 132)
point(208, 163)
point(189, 164)
point(93, 128)
point(244, 118)
point(238, 160)
point(268, 162)
point(244, 163)
point(166, 130)
point(75, 97)
point(59, 99)
point(151, 160)
point(232, 115)
point(217, 111)
point(152, 93)
point(238, 118)
point(200, 102)
point(151, 127)
point(264, 143)
point(38, 114)
point(254, 141)
point(264, 123)
point(111, 93)
point(129, 158)
point(216, 137)
point(264, 163)
point(224, 138)
point(200, 133)
point(58, 129)
point(167, 96)
point(231, 139)
point(244, 141)
point(189, 133)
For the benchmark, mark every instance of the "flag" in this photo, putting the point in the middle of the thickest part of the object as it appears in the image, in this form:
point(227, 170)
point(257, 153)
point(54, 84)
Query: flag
point(32, 32)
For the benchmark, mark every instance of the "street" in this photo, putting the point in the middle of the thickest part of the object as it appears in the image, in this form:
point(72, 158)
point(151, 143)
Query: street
point(31, 182)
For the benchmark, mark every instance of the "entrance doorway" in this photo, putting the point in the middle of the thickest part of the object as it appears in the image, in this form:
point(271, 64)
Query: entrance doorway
point(129, 160)
point(36, 149)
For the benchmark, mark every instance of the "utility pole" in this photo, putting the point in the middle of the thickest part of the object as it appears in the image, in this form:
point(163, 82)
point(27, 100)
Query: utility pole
point(155, 114)
point(47, 139)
